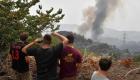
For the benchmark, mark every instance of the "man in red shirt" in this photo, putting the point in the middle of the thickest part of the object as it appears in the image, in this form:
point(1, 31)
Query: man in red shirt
point(69, 60)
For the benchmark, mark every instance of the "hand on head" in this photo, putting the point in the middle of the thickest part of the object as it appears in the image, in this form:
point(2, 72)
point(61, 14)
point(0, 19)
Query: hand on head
point(54, 33)
point(38, 40)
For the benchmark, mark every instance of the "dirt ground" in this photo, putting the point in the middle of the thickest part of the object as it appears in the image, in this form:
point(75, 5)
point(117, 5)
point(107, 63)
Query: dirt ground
point(89, 65)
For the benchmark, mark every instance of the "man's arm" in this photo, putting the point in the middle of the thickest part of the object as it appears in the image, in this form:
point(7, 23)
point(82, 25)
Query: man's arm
point(62, 38)
point(24, 49)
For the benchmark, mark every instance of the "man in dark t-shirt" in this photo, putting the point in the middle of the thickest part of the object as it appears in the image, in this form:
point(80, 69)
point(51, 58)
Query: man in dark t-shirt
point(46, 56)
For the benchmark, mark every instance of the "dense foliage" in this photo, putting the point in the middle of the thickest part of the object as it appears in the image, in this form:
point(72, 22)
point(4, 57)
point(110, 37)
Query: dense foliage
point(15, 18)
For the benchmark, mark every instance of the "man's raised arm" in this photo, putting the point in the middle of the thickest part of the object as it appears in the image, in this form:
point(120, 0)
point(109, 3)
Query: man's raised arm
point(62, 38)
point(24, 49)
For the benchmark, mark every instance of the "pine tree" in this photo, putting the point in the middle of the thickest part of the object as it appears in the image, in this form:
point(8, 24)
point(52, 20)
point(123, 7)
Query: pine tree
point(15, 18)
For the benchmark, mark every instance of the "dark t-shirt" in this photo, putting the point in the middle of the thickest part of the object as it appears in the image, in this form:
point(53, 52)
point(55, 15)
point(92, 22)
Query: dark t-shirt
point(19, 62)
point(68, 60)
point(47, 61)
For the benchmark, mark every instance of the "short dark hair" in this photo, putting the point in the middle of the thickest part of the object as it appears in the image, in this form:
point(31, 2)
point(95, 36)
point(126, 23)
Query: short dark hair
point(70, 38)
point(47, 39)
point(23, 36)
point(105, 63)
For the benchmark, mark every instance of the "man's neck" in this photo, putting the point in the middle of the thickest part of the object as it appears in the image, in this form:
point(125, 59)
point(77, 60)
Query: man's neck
point(45, 46)
point(22, 40)
point(105, 73)
point(70, 45)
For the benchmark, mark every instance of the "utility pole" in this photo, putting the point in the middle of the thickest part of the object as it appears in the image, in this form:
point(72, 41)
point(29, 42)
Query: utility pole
point(124, 38)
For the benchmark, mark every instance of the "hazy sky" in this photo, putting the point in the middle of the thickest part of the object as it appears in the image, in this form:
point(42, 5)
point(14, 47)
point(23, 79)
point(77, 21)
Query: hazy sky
point(125, 17)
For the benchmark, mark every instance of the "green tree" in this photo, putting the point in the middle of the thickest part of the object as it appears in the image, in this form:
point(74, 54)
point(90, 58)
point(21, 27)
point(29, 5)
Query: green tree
point(15, 18)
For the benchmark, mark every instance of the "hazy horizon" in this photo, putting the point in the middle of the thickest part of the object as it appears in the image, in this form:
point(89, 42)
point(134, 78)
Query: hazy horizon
point(125, 18)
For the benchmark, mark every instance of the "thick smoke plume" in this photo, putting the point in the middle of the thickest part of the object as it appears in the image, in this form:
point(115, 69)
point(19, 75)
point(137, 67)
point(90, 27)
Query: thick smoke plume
point(96, 16)
point(89, 16)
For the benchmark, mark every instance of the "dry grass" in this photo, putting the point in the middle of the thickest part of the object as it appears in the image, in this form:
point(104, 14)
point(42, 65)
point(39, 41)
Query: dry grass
point(118, 70)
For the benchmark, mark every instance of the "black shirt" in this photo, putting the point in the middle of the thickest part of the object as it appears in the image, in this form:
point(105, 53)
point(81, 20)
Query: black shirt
point(47, 61)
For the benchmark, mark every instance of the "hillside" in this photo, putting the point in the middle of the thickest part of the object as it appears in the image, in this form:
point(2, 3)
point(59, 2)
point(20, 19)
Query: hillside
point(112, 37)
point(88, 45)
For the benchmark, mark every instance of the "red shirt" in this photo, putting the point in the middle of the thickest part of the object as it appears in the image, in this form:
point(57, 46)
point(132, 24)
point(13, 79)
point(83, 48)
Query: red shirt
point(68, 60)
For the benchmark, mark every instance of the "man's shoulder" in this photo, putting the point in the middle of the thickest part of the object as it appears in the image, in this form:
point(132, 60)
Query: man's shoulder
point(15, 45)
point(18, 43)
point(97, 76)
point(57, 46)
point(34, 48)
point(72, 49)
point(94, 73)
point(77, 51)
